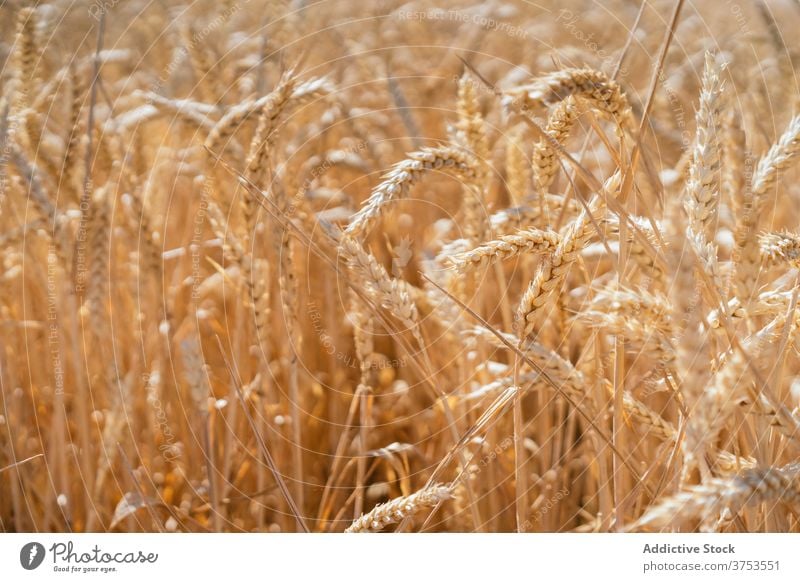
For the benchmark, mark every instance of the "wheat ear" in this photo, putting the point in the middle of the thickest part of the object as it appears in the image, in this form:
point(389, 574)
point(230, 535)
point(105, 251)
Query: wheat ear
point(531, 240)
point(398, 509)
point(545, 156)
point(517, 169)
point(553, 270)
point(238, 114)
point(398, 182)
point(595, 87)
point(708, 500)
point(778, 158)
point(778, 248)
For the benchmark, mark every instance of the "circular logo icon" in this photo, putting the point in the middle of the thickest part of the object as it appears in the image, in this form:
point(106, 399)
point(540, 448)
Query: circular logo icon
point(31, 555)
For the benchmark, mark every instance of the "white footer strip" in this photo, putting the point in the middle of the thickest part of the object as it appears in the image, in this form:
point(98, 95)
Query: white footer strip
point(462, 557)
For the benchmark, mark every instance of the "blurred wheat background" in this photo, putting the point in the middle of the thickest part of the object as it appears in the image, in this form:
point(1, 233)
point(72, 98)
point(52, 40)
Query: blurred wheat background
point(403, 266)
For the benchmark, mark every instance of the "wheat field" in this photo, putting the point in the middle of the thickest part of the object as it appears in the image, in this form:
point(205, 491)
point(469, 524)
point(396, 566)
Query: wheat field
point(436, 265)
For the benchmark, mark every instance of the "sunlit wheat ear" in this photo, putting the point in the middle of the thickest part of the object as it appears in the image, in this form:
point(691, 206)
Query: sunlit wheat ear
point(650, 340)
point(517, 168)
point(719, 399)
point(99, 258)
point(702, 184)
point(363, 324)
point(38, 195)
point(274, 106)
point(702, 187)
point(733, 151)
point(26, 55)
point(397, 184)
point(770, 304)
point(777, 416)
point(471, 135)
point(779, 248)
point(650, 269)
point(545, 158)
point(396, 510)
point(393, 294)
point(553, 270)
point(70, 174)
point(201, 63)
point(238, 114)
point(600, 92)
point(707, 501)
point(470, 126)
point(780, 156)
point(653, 308)
point(506, 247)
point(196, 114)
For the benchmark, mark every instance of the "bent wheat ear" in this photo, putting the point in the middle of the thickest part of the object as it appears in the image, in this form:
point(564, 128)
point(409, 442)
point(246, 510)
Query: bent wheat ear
point(398, 182)
point(238, 114)
point(398, 509)
point(506, 247)
point(595, 87)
